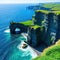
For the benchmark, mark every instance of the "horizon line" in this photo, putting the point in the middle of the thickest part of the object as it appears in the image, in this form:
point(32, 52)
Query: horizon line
point(26, 3)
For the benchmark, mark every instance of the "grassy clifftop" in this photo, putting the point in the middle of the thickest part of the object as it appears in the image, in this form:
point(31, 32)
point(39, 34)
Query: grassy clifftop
point(50, 53)
point(53, 6)
point(47, 12)
point(30, 23)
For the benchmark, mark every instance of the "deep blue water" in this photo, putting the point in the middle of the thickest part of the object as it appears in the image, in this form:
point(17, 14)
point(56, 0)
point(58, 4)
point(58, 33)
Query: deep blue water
point(8, 42)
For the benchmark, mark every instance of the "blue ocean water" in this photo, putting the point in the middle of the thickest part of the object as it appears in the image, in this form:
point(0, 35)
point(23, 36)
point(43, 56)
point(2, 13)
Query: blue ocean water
point(8, 42)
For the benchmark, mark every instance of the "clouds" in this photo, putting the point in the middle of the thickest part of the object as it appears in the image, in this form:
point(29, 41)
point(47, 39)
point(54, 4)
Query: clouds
point(27, 1)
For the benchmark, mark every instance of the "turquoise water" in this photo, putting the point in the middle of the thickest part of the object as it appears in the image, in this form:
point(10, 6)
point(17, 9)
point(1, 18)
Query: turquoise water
point(8, 42)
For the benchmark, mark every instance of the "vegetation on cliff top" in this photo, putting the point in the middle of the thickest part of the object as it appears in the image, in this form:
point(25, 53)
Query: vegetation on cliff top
point(36, 26)
point(50, 53)
point(46, 12)
point(29, 22)
point(43, 11)
point(53, 6)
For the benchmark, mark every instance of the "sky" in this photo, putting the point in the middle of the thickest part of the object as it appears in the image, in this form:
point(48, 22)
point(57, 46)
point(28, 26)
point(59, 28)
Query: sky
point(27, 1)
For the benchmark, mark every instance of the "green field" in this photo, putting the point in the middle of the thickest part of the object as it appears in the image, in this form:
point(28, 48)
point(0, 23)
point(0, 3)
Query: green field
point(29, 22)
point(53, 6)
point(50, 53)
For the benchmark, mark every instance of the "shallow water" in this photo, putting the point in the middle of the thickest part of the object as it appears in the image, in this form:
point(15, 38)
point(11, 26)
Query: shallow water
point(8, 42)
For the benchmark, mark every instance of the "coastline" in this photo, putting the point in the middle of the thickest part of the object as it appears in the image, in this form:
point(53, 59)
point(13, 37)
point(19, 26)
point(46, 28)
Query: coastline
point(34, 53)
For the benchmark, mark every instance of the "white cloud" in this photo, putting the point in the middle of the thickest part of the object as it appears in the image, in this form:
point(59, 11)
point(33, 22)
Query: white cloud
point(27, 1)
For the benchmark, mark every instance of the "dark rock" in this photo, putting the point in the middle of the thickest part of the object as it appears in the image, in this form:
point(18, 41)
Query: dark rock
point(22, 28)
point(39, 16)
point(24, 46)
point(52, 28)
point(38, 36)
point(58, 29)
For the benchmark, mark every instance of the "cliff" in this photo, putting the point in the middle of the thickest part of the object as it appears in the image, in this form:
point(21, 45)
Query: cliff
point(50, 21)
point(58, 28)
point(50, 53)
point(13, 26)
point(44, 24)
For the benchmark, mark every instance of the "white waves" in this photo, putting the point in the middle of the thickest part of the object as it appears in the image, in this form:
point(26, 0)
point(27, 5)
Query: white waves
point(7, 31)
point(27, 51)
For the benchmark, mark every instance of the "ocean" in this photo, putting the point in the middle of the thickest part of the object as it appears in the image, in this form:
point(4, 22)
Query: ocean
point(8, 42)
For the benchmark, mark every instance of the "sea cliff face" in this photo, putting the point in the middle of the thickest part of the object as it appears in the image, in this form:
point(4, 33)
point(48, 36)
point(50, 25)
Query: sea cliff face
point(52, 28)
point(44, 27)
point(39, 16)
point(58, 28)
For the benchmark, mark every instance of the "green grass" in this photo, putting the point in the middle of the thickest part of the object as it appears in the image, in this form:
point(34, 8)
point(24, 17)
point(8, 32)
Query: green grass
point(56, 12)
point(29, 22)
point(43, 11)
point(36, 26)
point(50, 53)
point(47, 12)
point(53, 6)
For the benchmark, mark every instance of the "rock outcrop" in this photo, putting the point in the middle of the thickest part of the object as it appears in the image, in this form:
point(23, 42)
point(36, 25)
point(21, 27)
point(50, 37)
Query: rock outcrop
point(22, 28)
point(39, 17)
point(52, 28)
point(58, 28)
point(48, 33)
